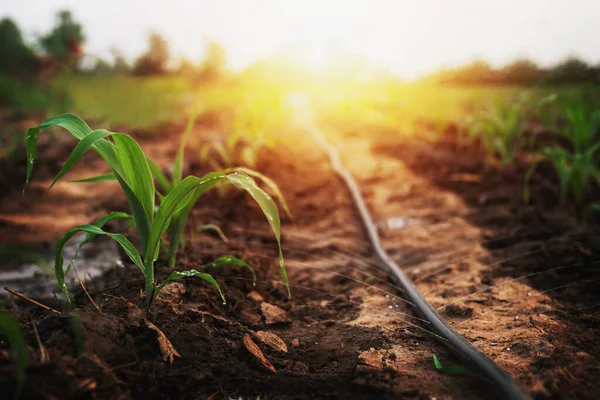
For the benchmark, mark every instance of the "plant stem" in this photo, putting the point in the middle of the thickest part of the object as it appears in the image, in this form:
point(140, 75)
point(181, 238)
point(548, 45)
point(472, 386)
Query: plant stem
point(149, 279)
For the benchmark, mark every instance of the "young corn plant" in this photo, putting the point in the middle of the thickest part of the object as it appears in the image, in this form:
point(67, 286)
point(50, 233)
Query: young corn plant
point(130, 167)
point(500, 127)
point(176, 228)
point(574, 164)
point(253, 126)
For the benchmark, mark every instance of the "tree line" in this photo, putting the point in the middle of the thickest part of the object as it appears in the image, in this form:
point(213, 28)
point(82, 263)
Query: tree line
point(62, 48)
point(520, 72)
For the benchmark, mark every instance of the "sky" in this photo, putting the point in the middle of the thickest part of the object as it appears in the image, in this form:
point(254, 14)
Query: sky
point(409, 37)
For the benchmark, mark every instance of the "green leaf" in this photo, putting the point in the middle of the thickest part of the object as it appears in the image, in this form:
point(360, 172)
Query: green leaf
point(99, 178)
point(100, 222)
point(173, 276)
point(213, 227)
point(175, 232)
point(448, 370)
point(268, 207)
point(270, 184)
point(16, 338)
point(59, 272)
point(142, 222)
point(79, 150)
point(178, 166)
point(136, 171)
point(228, 259)
point(72, 123)
point(160, 177)
point(174, 201)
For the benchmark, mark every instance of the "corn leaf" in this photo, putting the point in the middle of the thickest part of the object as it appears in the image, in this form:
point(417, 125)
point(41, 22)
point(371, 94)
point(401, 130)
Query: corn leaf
point(448, 370)
point(174, 201)
point(82, 147)
point(136, 171)
point(100, 222)
point(178, 166)
point(213, 227)
point(160, 177)
point(269, 182)
point(173, 276)
point(59, 272)
point(16, 338)
point(228, 259)
point(72, 123)
point(99, 178)
point(268, 208)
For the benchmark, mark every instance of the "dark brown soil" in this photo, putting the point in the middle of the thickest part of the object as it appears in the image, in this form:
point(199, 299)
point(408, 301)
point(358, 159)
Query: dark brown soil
point(348, 335)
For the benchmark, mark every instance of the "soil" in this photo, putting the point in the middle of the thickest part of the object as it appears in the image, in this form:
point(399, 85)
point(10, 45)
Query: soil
point(519, 281)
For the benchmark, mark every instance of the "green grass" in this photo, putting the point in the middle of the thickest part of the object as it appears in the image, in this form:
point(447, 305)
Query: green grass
point(129, 166)
point(28, 96)
point(123, 100)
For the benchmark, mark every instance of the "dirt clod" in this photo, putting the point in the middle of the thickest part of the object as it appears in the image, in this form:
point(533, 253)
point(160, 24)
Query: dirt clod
point(273, 314)
point(255, 296)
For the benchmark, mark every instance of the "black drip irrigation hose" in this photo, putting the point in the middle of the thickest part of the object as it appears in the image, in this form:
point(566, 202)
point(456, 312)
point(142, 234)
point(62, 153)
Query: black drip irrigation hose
point(475, 360)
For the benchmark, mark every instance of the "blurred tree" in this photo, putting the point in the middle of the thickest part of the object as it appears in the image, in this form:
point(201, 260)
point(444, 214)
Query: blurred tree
point(120, 64)
point(64, 42)
point(16, 58)
point(521, 71)
point(155, 60)
point(572, 70)
point(102, 67)
point(477, 71)
point(186, 68)
point(214, 65)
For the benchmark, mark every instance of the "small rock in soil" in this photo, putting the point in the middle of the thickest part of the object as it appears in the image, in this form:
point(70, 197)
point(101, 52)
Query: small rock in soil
point(295, 343)
point(251, 318)
point(272, 340)
point(171, 292)
point(254, 295)
point(273, 314)
point(256, 352)
point(457, 310)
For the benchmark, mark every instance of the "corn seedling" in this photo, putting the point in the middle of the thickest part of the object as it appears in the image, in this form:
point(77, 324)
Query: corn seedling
point(214, 228)
point(500, 127)
point(129, 166)
point(447, 370)
point(11, 329)
point(175, 231)
point(575, 166)
point(253, 126)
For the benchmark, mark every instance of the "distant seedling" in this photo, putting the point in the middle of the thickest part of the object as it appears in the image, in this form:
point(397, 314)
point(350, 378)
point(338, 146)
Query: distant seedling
point(575, 164)
point(447, 370)
point(129, 166)
point(500, 127)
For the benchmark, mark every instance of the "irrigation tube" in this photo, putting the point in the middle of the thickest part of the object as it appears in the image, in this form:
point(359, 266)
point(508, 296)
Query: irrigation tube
point(465, 351)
